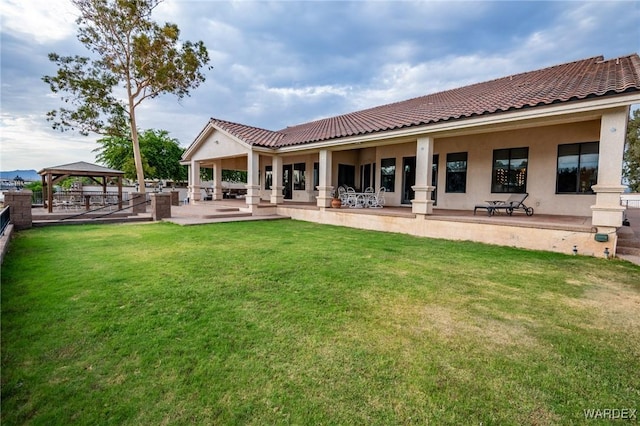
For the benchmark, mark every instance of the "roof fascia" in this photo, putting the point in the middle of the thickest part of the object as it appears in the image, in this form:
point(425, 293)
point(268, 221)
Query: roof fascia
point(550, 114)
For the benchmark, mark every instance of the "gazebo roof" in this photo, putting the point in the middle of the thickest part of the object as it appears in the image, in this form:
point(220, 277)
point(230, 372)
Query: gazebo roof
point(81, 168)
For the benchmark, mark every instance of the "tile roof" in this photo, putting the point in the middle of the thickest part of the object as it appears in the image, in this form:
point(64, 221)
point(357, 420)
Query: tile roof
point(587, 78)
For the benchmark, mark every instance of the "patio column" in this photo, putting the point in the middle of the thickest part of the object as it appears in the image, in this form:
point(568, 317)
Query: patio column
point(276, 180)
point(607, 212)
point(194, 181)
point(325, 188)
point(19, 203)
point(253, 173)
point(49, 192)
point(217, 180)
point(422, 204)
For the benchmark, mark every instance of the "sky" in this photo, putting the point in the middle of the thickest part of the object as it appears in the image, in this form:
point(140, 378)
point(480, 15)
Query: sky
point(282, 63)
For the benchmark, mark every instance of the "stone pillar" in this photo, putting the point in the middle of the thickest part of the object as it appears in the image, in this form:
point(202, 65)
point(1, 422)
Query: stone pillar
point(253, 174)
point(160, 205)
point(194, 181)
point(217, 180)
point(137, 202)
point(19, 203)
point(175, 198)
point(422, 204)
point(607, 212)
point(325, 188)
point(276, 181)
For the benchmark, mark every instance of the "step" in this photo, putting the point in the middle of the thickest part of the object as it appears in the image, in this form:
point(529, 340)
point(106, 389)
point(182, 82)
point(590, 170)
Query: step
point(627, 237)
point(235, 213)
point(633, 251)
point(226, 209)
point(629, 243)
point(193, 220)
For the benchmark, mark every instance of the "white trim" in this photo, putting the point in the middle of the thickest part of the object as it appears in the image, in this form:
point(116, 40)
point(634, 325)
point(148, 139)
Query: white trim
point(202, 137)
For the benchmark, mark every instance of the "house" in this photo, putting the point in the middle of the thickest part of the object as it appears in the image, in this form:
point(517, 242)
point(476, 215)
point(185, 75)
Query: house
point(556, 133)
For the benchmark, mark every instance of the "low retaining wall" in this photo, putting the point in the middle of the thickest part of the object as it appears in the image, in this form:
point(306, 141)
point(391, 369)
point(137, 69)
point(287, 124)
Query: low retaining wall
point(552, 238)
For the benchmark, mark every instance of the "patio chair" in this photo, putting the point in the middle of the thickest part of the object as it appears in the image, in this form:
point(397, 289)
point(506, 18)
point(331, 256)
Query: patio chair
point(514, 202)
point(352, 198)
point(376, 201)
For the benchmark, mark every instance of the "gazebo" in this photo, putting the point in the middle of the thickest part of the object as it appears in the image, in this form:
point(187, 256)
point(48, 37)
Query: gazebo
point(99, 174)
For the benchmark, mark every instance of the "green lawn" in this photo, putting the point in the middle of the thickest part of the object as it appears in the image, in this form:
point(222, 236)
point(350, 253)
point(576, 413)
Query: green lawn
point(286, 322)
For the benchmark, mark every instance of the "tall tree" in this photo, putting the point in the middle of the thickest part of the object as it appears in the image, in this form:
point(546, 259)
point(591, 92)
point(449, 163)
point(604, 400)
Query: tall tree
point(132, 52)
point(632, 152)
point(161, 155)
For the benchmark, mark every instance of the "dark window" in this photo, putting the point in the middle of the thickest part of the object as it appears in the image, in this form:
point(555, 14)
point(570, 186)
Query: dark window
point(373, 174)
point(298, 176)
point(287, 181)
point(316, 175)
point(365, 176)
point(408, 179)
point(346, 175)
point(388, 174)
point(456, 172)
point(268, 177)
point(434, 179)
point(510, 170)
point(577, 168)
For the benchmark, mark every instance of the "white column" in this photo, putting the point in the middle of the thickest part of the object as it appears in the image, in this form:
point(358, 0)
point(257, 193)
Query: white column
point(422, 204)
point(276, 181)
point(253, 173)
point(325, 188)
point(194, 181)
point(217, 180)
point(607, 212)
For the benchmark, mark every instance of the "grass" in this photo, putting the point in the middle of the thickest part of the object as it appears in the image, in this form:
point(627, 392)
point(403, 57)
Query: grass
point(295, 323)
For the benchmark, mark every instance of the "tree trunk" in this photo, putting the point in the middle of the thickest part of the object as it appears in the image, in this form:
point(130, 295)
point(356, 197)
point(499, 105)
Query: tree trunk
point(137, 156)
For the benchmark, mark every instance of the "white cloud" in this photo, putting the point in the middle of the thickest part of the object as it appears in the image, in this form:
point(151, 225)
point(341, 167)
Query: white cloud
point(41, 20)
point(400, 81)
point(28, 144)
point(279, 63)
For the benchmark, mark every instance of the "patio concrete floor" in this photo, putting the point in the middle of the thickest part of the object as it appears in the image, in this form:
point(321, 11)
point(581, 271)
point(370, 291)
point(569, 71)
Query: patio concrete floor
point(216, 211)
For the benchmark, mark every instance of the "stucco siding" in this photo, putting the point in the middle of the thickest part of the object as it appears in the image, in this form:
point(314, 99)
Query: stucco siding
point(219, 145)
point(541, 170)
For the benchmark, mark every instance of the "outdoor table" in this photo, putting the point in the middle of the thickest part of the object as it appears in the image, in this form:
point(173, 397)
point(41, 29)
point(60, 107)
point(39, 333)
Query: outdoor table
point(359, 200)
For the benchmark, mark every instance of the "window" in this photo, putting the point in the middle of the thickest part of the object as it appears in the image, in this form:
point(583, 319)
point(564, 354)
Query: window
point(577, 168)
point(456, 172)
point(268, 177)
point(408, 179)
point(365, 176)
point(298, 176)
point(434, 178)
point(388, 174)
point(316, 175)
point(510, 170)
point(346, 175)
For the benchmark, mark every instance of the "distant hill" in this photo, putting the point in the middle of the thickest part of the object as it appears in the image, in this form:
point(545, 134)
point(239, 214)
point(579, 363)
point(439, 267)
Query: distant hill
point(27, 175)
